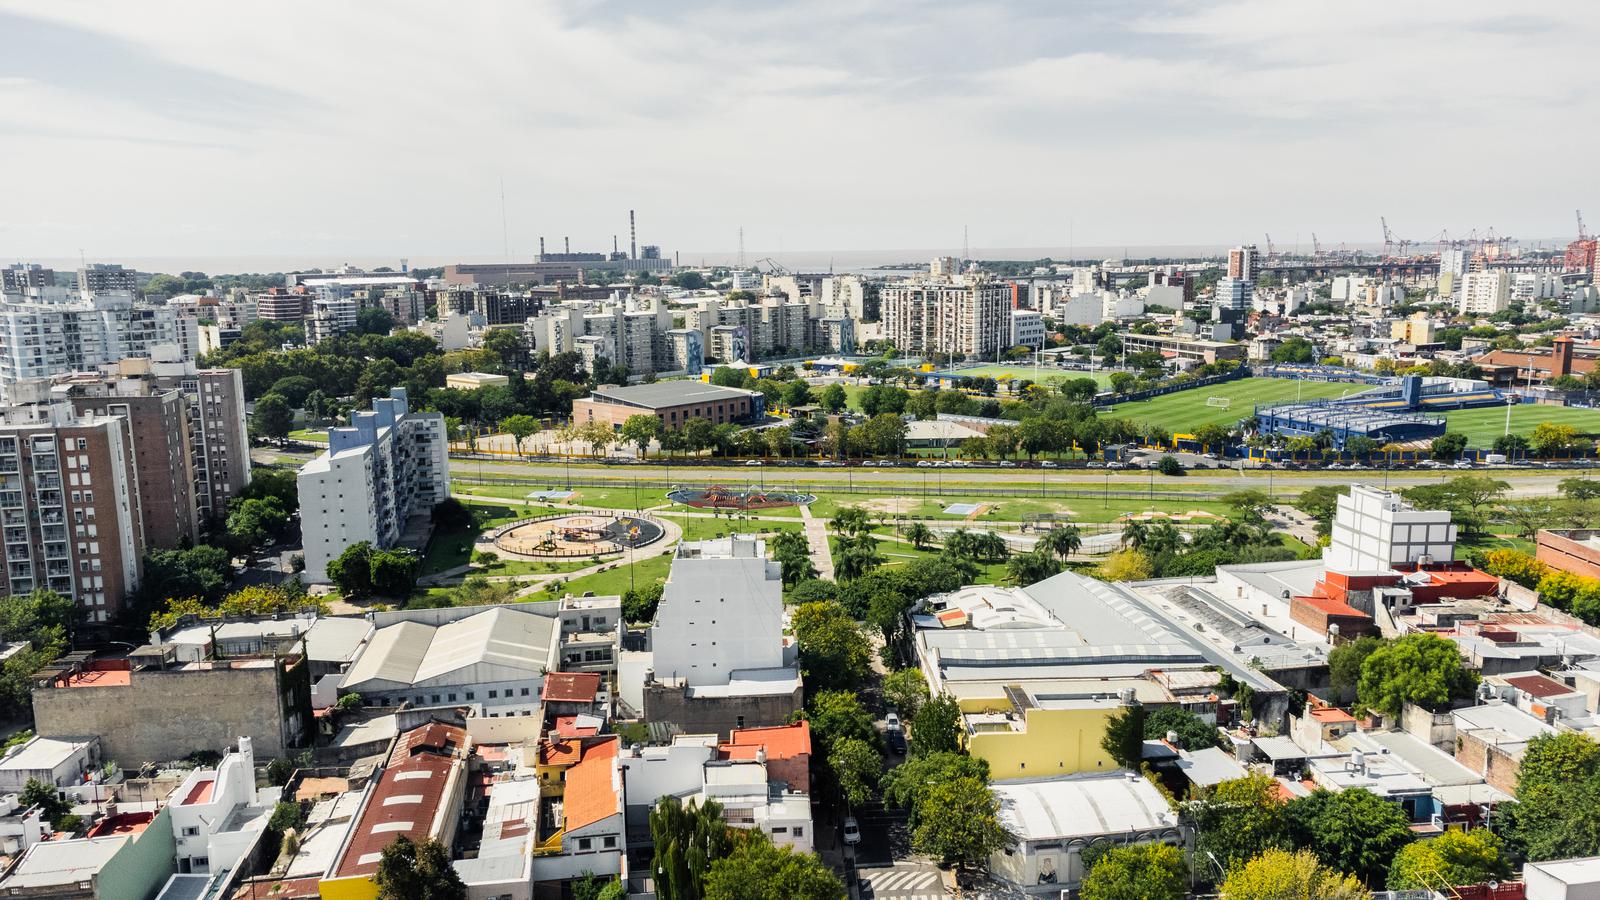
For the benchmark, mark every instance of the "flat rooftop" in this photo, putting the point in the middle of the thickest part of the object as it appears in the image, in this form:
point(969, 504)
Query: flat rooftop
point(1086, 806)
point(667, 393)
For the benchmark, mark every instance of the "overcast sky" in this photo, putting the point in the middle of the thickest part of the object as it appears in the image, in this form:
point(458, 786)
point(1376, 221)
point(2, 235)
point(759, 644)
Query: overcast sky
point(161, 129)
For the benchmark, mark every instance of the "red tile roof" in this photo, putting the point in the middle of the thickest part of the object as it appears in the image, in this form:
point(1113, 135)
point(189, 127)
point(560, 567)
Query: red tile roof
point(1331, 606)
point(567, 726)
point(571, 687)
point(408, 794)
point(590, 794)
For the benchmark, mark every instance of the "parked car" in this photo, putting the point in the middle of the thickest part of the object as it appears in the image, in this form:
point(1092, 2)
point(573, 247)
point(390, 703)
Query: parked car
point(752, 462)
point(852, 831)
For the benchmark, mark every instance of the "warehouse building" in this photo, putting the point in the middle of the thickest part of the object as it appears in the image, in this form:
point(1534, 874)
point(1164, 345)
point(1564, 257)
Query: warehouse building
point(673, 402)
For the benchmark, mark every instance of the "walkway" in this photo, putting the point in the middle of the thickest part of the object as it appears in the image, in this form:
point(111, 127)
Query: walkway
point(817, 537)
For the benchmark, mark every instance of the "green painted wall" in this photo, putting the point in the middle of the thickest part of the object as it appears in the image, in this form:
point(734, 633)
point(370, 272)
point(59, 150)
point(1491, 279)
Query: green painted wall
point(143, 864)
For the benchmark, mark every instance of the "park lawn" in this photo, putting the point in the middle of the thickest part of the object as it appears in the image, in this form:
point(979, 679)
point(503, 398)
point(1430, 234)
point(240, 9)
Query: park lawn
point(1016, 509)
point(615, 580)
point(453, 547)
point(306, 434)
point(1041, 375)
point(1184, 411)
point(534, 567)
point(1487, 541)
point(896, 552)
point(1482, 426)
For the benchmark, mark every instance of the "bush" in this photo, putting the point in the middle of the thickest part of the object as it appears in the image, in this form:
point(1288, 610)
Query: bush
point(1169, 465)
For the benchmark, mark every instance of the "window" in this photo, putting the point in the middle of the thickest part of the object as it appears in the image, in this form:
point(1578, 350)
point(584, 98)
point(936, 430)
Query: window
point(524, 692)
point(190, 831)
point(435, 698)
point(741, 722)
point(799, 831)
point(451, 698)
point(471, 695)
point(493, 693)
point(780, 830)
point(584, 843)
point(609, 842)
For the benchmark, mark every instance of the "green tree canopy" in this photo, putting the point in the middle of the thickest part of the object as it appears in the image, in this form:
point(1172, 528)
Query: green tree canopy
point(687, 841)
point(834, 654)
point(1139, 872)
point(1124, 737)
point(1238, 820)
point(907, 689)
point(410, 870)
point(1453, 859)
point(1193, 734)
point(757, 870)
point(1282, 875)
point(1345, 662)
point(937, 727)
point(1351, 831)
point(272, 417)
point(958, 822)
point(1424, 669)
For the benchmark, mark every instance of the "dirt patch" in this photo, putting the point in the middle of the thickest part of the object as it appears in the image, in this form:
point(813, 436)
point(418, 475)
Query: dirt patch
point(1194, 515)
point(891, 505)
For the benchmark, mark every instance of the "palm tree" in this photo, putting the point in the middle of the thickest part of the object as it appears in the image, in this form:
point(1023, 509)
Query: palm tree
point(1063, 541)
point(993, 547)
point(850, 520)
point(1134, 534)
point(1027, 568)
point(1163, 538)
point(919, 535)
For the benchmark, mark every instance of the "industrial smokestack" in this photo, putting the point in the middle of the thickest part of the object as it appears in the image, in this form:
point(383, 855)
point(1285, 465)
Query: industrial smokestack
point(613, 244)
point(633, 238)
point(541, 248)
point(567, 242)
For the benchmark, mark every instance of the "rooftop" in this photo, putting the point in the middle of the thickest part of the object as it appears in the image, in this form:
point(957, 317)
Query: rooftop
point(42, 753)
point(780, 741)
point(571, 687)
point(423, 770)
point(62, 863)
point(667, 393)
point(407, 653)
point(591, 793)
point(1115, 803)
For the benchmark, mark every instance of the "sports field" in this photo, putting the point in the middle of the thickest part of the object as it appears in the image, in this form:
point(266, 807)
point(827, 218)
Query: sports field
point(1184, 411)
point(1042, 375)
point(1482, 426)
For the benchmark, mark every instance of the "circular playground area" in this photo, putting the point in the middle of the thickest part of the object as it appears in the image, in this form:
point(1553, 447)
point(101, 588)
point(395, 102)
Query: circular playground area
point(718, 497)
point(579, 534)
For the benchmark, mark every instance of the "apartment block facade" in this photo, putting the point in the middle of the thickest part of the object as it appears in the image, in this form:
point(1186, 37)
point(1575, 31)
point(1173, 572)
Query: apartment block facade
point(963, 316)
point(40, 339)
point(378, 481)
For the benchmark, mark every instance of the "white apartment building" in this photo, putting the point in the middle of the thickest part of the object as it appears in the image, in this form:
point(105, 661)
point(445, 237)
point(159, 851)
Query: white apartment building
point(965, 316)
point(721, 611)
point(1027, 329)
point(1374, 530)
point(379, 480)
point(1234, 293)
point(216, 815)
point(1243, 263)
point(1485, 293)
point(331, 316)
point(1535, 286)
point(39, 339)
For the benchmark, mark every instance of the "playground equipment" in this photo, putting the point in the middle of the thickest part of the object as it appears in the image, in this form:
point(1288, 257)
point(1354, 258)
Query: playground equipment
point(720, 497)
point(582, 534)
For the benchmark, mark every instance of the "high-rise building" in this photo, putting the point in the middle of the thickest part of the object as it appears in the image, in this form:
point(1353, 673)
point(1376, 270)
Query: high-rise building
point(1234, 293)
point(378, 481)
point(102, 278)
point(41, 339)
point(18, 277)
point(69, 507)
point(1486, 292)
point(964, 317)
point(330, 317)
point(283, 304)
point(1242, 262)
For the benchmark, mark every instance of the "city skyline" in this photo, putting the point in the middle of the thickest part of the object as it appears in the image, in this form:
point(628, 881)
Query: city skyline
point(169, 132)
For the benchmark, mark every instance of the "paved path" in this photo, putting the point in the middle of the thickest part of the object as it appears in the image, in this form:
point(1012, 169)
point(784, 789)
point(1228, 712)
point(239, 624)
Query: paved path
point(817, 537)
point(903, 881)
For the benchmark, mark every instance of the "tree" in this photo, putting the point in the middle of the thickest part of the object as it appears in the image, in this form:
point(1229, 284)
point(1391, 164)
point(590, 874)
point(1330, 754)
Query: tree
point(1193, 734)
point(640, 430)
point(593, 887)
point(792, 551)
point(51, 807)
point(275, 482)
point(906, 785)
point(1352, 831)
point(202, 571)
point(272, 418)
point(1063, 541)
point(958, 822)
point(1238, 819)
point(1424, 669)
point(1033, 566)
point(758, 869)
point(1557, 813)
point(1123, 740)
point(687, 840)
point(520, 427)
point(1282, 875)
point(1511, 444)
point(907, 689)
point(1549, 439)
point(1169, 465)
point(1448, 446)
point(796, 393)
point(856, 766)
point(351, 570)
point(1453, 859)
point(1126, 565)
point(410, 870)
point(1580, 488)
point(1345, 661)
point(838, 715)
point(374, 320)
point(833, 398)
point(937, 727)
point(293, 388)
point(834, 654)
point(919, 535)
point(1139, 872)
point(253, 522)
point(639, 604)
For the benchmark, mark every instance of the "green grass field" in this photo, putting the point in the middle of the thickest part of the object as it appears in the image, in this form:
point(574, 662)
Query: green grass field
point(1482, 426)
point(1041, 375)
point(614, 581)
point(1185, 411)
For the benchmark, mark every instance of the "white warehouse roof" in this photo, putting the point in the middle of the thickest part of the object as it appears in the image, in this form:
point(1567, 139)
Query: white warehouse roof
point(514, 643)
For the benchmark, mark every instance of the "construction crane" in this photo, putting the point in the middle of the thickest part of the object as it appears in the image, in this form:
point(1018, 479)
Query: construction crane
point(1388, 237)
point(1316, 246)
point(777, 268)
point(1272, 252)
point(1583, 233)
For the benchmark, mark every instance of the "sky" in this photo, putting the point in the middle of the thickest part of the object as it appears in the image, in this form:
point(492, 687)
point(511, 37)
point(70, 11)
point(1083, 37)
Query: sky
point(387, 129)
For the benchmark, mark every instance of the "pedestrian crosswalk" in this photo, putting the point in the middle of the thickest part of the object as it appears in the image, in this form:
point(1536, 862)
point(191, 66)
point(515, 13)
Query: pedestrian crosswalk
point(902, 883)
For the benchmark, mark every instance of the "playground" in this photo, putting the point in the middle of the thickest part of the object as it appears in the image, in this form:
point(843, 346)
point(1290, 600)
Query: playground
point(719, 497)
point(579, 534)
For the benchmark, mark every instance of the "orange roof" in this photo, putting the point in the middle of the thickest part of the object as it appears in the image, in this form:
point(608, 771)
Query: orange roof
point(781, 741)
point(1331, 606)
point(201, 793)
point(121, 823)
point(572, 687)
point(953, 617)
point(559, 753)
point(567, 726)
point(1331, 714)
point(100, 678)
point(590, 795)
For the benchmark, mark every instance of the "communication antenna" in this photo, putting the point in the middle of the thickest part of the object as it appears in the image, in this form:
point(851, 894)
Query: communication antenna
point(966, 248)
point(741, 246)
point(505, 233)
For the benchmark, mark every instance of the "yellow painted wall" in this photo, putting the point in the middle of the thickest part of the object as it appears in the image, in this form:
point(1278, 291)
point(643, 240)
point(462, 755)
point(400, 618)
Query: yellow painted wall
point(1054, 742)
point(362, 888)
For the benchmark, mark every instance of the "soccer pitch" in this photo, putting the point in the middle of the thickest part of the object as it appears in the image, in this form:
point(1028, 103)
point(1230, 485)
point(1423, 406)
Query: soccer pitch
point(1041, 375)
point(1184, 411)
point(1482, 426)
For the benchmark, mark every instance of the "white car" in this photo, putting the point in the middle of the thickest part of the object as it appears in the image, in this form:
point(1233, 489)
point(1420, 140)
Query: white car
point(852, 831)
point(752, 462)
